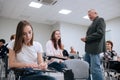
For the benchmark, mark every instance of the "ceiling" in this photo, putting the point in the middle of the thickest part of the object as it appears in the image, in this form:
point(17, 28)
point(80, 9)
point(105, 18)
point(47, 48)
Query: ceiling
point(48, 14)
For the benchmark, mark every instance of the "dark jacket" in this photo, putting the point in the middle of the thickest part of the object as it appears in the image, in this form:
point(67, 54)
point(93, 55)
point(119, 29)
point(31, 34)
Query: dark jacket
point(3, 51)
point(95, 37)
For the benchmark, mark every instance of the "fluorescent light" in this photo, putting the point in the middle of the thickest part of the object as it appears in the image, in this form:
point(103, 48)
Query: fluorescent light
point(86, 17)
point(65, 11)
point(35, 5)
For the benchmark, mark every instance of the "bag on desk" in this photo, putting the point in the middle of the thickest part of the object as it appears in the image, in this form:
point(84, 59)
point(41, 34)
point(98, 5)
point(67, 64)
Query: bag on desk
point(68, 75)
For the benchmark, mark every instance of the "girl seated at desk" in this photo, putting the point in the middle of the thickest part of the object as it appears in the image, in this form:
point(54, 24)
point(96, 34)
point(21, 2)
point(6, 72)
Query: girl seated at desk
point(26, 53)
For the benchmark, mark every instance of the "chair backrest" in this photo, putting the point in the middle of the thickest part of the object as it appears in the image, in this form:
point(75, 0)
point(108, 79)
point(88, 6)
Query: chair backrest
point(79, 67)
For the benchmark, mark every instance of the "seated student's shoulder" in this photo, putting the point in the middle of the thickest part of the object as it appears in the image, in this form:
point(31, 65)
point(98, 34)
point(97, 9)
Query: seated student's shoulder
point(49, 42)
point(11, 44)
point(36, 43)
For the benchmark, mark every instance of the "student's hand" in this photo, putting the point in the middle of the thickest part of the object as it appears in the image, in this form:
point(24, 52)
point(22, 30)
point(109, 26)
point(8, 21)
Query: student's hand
point(43, 66)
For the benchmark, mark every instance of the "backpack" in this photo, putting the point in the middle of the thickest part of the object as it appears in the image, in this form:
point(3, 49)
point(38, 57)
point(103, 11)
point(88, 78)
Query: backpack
point(68, 75)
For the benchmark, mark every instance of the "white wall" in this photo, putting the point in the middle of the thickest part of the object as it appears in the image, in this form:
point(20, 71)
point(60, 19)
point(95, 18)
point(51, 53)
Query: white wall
point(56, 26)
point(41, 31)
point(114, 26)
point(7, 27)
point(71, 35)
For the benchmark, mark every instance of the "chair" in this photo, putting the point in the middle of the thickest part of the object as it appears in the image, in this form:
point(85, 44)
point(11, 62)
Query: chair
point(79, 68)
point(113, 67)
point(11, 75)
point(3, 66)
point(65, 74)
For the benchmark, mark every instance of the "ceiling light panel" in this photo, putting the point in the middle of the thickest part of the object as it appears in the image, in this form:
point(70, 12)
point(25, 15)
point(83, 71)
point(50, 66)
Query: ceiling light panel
point(35, 5)
point(86, 17)
point(65, 11)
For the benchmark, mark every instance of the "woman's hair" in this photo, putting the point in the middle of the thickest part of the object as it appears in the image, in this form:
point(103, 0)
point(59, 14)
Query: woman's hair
point(55, 43)
point(19, 35)
point(110, 42)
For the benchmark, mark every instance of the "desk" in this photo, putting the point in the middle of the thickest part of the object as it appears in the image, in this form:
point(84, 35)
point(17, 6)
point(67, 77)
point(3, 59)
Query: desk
point(115, 65)
point(63, 58)
point(47, 70)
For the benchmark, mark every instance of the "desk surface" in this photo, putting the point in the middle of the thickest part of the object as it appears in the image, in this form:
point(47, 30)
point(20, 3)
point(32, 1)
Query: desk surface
point(47, 70)
point(112, 61)
point(63, 58)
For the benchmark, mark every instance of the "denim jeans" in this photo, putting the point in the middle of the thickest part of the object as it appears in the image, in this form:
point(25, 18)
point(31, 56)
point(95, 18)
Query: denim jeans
point(57, 66)
point(30, 74)
point(95, 69)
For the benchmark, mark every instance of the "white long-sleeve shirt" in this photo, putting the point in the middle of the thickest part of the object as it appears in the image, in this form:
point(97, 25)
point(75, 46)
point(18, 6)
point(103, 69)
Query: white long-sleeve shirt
point(51, 51)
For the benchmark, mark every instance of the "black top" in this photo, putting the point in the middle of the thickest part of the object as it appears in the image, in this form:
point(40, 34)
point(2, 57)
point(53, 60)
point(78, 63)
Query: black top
point(65, 53)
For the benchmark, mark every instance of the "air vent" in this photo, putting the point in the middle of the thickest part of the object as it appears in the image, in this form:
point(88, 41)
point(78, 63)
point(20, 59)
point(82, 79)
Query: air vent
point(48, 2)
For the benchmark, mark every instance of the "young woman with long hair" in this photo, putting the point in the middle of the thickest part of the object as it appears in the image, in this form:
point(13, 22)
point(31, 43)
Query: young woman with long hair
point(54, 48)
point(26, 53)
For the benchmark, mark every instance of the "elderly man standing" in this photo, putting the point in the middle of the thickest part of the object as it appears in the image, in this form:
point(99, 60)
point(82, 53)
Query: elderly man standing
point(95, 44)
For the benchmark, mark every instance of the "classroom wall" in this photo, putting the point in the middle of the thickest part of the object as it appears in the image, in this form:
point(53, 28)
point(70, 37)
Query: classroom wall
point(41, 31)
point(70, 33)
point(114, 27)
